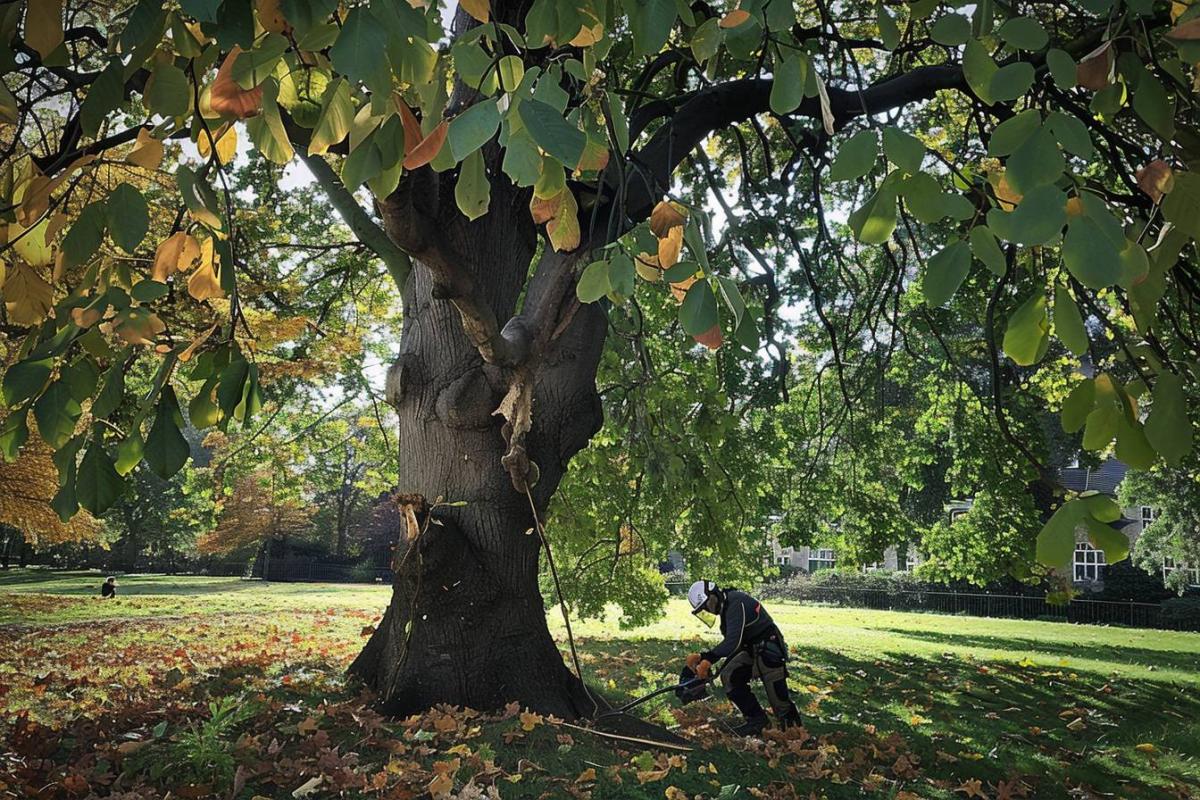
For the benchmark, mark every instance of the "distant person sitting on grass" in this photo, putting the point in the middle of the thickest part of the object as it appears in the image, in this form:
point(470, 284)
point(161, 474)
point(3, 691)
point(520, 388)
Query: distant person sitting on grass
point(109, 588)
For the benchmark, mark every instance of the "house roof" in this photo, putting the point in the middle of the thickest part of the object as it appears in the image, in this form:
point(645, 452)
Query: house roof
point(1104, 478)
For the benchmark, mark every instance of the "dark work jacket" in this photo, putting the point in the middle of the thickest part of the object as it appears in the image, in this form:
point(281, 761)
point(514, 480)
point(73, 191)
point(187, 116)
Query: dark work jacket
point(744, 624)
point(108, 590)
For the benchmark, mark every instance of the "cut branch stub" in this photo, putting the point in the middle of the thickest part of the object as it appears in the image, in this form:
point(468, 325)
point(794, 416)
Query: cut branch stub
point(517, 410)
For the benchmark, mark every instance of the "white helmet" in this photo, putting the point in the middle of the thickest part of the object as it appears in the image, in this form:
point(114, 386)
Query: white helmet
point(698, 594)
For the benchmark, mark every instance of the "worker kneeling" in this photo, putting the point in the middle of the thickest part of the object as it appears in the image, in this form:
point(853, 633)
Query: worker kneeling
point(752, 646)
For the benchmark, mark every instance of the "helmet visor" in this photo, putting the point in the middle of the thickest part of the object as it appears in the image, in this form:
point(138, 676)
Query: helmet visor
point(707, 617)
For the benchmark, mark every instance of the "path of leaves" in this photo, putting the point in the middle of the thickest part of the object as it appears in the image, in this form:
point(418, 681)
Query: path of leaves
point(251, 706)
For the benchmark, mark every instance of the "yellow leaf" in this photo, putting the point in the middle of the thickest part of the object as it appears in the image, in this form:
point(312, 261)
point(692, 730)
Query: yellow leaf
point(1008, 197)
point(563, 229)
point(476, 8)
point(204, 282)
point(1145, 747)
point(675, 793)
point(32, 244)
point(271, 17)
point(27, 296)
point(35, 199)
point(44, 25)
point(178, 253)
point(587, 776)
point(734, 18)
point(588, 36)
point(147, 151)
point(1074, 207)
point(679, 291)
point(529, 720)
point(669, 247)
point(187, 354)
point(226, 138)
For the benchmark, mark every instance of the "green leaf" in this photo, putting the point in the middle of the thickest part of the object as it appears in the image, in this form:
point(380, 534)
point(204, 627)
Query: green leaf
point(1167, 427)
point(512, 70)
point(945, 273)
point(128, 217)
point(650, 22)
point(199, 197)
point(787, 88)
point(522, 161)
point(903, 149)
point(111, 393)
point(472, 191)
point(1037, 219)
point(1078, 405)
point(103, 96)
point(1113, 542)
point(874, 222)
point(233, 385)
point(1135, 264)
point(169, 93)
point(1068, 323)
point(25, 379)
point(1101, 425)
point(335, 119)
point(266, 129)
point(698, 312)
point(356, 52)
point(85, 236)
point(129, 452)
point(14, 431)
point(471, 129)
point(1181, 206)
point(925, 198)
point(166, 451)
point(951, 30)
point(202, 411)
point(1156, 108)
point(1028, 333)
point(257, 64)
point(1101, 507)
point(305, 14)
point(98, 485)
point(1071, 134)
point(552, 133)
point(984, 248)
point(593, 283)
point(855, 157)
point(1013, 132)
point(1036, 162)
point(978, 69)
point(706, 41)
point(1024, 33)
point(622, 277)
point(889, 32)
point(56, 412)
point(1062, 68)
point(1090, 255)
point(1010, 82)
point(1056, 540)
point(732, 297)
point(1133, 447)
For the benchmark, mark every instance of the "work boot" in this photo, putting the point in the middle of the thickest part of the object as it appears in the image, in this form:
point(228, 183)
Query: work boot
point(789, 719)
point(753, 726)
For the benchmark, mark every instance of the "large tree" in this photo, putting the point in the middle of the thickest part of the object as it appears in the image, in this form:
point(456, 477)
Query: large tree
point(538, 163)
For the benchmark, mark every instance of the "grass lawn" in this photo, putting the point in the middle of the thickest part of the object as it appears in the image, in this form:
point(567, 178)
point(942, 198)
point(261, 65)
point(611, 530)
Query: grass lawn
point(234, 689)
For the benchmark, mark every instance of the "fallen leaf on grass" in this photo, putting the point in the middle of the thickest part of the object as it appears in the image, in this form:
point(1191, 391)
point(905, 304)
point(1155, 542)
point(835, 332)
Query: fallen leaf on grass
point(529, 720)
point(1145, 747)
point(308, 787)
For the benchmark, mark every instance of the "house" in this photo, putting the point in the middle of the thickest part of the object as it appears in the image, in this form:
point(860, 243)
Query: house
point(814, 559)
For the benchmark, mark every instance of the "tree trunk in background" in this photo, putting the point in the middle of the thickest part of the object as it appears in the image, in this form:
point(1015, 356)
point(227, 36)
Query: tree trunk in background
point(467, 624)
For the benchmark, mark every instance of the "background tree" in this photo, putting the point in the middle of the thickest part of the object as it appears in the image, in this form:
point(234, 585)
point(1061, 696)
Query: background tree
point(518, 166)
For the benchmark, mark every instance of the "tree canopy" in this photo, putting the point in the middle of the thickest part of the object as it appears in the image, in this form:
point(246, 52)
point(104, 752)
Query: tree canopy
point(898, 202)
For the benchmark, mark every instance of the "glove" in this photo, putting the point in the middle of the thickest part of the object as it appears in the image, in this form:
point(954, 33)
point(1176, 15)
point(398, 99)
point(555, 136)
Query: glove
point(693, 661)
point(703, 669)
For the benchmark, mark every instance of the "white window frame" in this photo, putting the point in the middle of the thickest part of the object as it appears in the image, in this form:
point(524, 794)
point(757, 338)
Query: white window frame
point(912, 560)
point(1088, 564)
point(1148, 514)
point(1170, 565)
point(823, 558)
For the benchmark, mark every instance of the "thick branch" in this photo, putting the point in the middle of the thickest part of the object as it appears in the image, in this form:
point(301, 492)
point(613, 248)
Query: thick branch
point(399, 265)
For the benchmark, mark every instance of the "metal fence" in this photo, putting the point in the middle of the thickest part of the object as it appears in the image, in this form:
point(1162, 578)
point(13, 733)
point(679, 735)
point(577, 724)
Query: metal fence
point(983, 604)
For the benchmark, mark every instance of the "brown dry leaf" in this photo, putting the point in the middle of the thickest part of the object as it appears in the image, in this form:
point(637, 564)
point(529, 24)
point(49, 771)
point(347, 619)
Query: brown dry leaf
point(476, 8)
point(664, 217)
point(179, 252)
point(675, 793)
point(270, 16)
point(734, 18)
point(651, 775)
point(587, 776)
point(530, 720)
point(588, 36)
point(136, 326)
point(594, 158)
point(1156, 179)
point(443, 780)
point(972, 788)
point(445, 723)
point(711, 338)
point(1008, 197)
point(545, 210)
point(226, 97)
point(44, 25)
point(1093, 71)
point(308, 726)
point(412, 528)
point(679, 290)
point(86, 317)
point(27, 296)
point(428, 148)
point(147, 151)
point(226, 139)
point(669, 247)
point(1074, 207)
point(204, 282)
point(412, 126)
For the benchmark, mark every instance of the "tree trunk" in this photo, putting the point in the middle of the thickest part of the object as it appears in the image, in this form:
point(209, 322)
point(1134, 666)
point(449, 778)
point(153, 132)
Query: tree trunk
point(467, 624)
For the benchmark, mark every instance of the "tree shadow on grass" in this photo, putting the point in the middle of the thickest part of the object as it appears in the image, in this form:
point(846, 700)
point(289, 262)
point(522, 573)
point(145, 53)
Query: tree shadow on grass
point(1141, 656)
point(977, 719)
